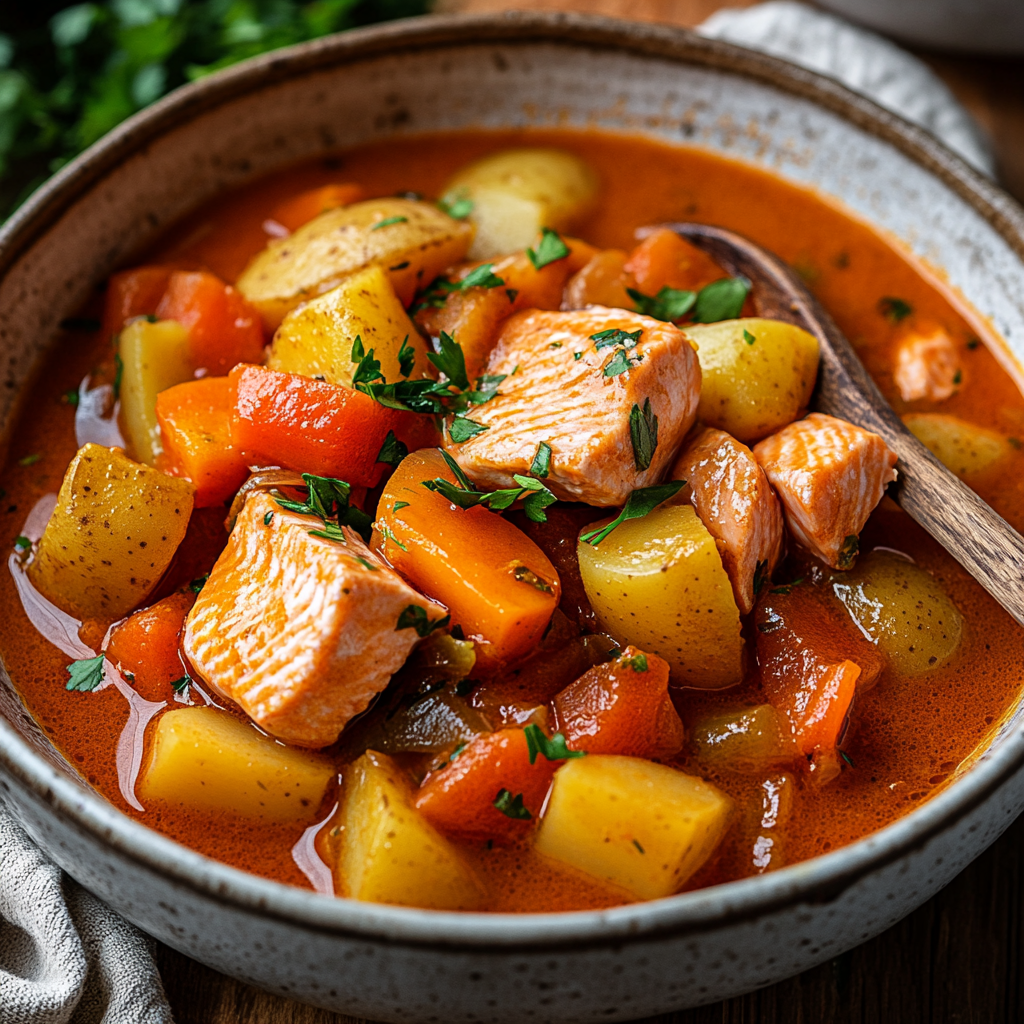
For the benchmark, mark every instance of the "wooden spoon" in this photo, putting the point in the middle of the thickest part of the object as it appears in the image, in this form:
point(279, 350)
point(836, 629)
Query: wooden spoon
point(979, 539)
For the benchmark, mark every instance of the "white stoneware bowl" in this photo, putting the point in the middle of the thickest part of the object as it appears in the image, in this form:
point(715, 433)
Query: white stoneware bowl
point(397, 964)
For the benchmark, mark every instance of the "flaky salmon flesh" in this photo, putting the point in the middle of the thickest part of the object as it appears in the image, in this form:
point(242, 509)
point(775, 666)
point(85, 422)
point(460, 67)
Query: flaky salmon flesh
point(734, 500)
point(927, 366)
point(298, 630)
point(613, 409)
point(829, 476)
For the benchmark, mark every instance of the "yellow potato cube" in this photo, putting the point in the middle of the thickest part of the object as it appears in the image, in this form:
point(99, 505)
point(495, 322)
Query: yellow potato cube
point(154, 357)
point(389, 852)
point(208, 759)
point(112, 534)
point(316, 339)
point(746, 741)
point(658, 583)
point(640, 826)
point(963, 448)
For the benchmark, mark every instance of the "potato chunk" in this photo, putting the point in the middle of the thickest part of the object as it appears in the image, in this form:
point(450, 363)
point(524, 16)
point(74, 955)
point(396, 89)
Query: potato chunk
point(904, 611)
point(316, 339)
point(640, 826)
point(517, 192)
point(412, 241)
point(746, 741)
point(112, 534)
point(752, 388)
point(389, 852)
point(963, 448)
point(208, 759)
point(154, 357)
point(658, 583)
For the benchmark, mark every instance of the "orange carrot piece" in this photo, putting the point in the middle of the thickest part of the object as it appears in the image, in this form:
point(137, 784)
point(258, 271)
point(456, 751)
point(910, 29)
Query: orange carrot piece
point(301, 209)
point(459, 799)
point(223, 329)
point(146, 645)
point(133, 293)
point(195, 421)
point(663, 259)
point(621, 707)
point(497, 584)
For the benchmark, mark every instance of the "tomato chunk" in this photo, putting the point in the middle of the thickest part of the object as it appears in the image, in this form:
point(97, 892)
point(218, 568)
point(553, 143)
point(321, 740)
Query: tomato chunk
point(133, 293)
point(459, 799)
point(301, 209)
point(621, 707)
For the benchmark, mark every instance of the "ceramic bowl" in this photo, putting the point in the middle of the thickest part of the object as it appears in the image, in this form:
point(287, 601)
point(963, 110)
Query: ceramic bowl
point(398, 964)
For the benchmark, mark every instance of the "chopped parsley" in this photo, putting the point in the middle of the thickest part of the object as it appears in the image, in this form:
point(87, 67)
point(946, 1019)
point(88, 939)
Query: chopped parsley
point(366, 563)
point(526, 575)
point(406, 358)
point(118, 374)
point(748, 337)
point(22, 543)
point(760, 576)
point(639, 503)
point(455, 753)
point(721, 300)
point(388, 534)
point(198, 583)
point(331, 531)
point(846, 757)
point(399, 504)
point(638, 663)
point(85, 675)
point(388, 221)
point(619, 363)
point(435, 295)
point(451, 361)
point(787, 588)
point(268, 518)
point(615, 336)
point(550, 248)
point(458, 206)
point(958, 378)
point(462, 429)
point(181, 685)
point(511, 293)
point(328, 501)
point(638, 846)
point(577, 355)
point(643, 433)
point(415, 617)
point(848, 552)
point(553, 749)
point(29, 460)
point(670, 304)
point(392, 451)
point(893, 309)
point(541, 465)
point(70, 398)
point(511, 806)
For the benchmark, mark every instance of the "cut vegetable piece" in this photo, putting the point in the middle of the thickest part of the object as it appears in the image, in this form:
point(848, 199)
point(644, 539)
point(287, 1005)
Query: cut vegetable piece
point(112, 534)
point(658, 582)
point(418, 243)
point(613, 419)
point(602, 281)
point(642, 827)
point(428, 724)
point(829, 475)
point(304, 207)
point(964, 448)
point(284, 419)
point(753, 387)
point(317, 338)
point(463, 798)
point(301, 631)
point(154, 357)
point(132, 293)
point(195, 427)
point(903, 609)
point(746, 741)
point(516, 192)
point(665, 260)
point(146, 646)
point(206, 759)
point(223, 329)
point(389, 852)
point(736, 503)
point(496, 583)
point(928, 366)
point(621, 707)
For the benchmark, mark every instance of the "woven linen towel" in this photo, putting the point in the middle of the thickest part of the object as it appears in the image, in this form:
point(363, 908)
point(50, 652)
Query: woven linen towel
point(65, 958)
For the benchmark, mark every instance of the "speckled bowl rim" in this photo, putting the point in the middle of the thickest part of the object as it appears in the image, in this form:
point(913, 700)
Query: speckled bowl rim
point(820, 880)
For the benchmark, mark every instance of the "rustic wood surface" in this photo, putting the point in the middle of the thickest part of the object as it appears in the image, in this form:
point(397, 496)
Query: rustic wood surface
point(957, 960)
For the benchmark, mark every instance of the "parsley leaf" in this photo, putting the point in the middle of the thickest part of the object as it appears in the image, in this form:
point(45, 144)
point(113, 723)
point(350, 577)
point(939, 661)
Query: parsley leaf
point(748, 337)
point(643, 433)
point(553, 749)
point(721, 300)
point(450, 361)
point(399, 504)
point(669, 304)
point(436, 293)
point(550, 248)
point(481, 277)
point(392, 451)
point(388, 534)
point(415, 617)
point(181, 685)
point(22, 543)
point(462, 429)
point(198, 583)
point(524, 574)
point(511, 806)
point(29, 460)
point(85, 675)
point(406, 357)
point(366, 563)
point(848, 552)
point(616, 336)
point(619, 363)
point(894, 310)
point(388, 221)
point(457, 205)
point(639, 503)
point(638, 663)
point(541, 465)
point(268, 518)
point(328, 501)
point(367, 367)
point(118, 374)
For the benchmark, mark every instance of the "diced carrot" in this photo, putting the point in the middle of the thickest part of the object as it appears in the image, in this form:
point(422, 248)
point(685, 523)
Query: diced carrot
point(621, 707)
point(285, 419)
point(223, 329)
point(195, 422)
point(664, 260)
point(133, 293)
point(497, 584)
point(459, 799)
point(601, 282)
point(146, 645)
point(301, 209)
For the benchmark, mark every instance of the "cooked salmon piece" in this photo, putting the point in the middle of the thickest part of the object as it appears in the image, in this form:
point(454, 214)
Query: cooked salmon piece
point(300, 631)
point(611, 393)
point(736, 503)
point(829, 476)
point(927, 366)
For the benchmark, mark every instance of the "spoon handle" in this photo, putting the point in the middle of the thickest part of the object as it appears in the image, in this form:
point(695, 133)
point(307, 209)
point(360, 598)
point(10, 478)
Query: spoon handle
point(975, 535)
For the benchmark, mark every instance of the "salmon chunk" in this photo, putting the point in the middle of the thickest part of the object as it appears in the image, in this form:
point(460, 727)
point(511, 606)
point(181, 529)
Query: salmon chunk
point(301, 631)
point(927, 366)
point(829, 475)
point(610, 393)
point(736, 503)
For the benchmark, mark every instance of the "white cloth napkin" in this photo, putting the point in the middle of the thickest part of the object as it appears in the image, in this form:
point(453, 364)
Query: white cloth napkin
point(65, 958)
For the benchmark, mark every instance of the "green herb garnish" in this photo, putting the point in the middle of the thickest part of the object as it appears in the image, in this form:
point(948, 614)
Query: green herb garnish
point(388, 221)
point(541, 465)
point(455, 753)
point(85, 675)
point(638, 663)
point(511, 806)
point(399, 504)
point(366, 563)
point(550, 248)
point(670, 304)
point(181, 685)
point(118, 374)
point(638, 846)
point(458, 206)
point(22, 543)
point(846, 757)
point(639, 503)
point(721, 300)
point(29, 460)
point(748, 337)
point(406, 358)
point(392, 451)
point(268, 518)
point(198, 583)
point(848, 552)
point(894, 310)
point(643, 433)
point(619, 363)
point(526, 575)
point(553, 749)
point(787, 588)
point(451, 361)
point(616, 336)
point(462, 429)
point(70, 398)
point(388, 534)
point(415, 617)
point(328, 501)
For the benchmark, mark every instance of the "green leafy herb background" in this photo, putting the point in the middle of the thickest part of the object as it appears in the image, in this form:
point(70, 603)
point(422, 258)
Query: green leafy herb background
point(68, 74)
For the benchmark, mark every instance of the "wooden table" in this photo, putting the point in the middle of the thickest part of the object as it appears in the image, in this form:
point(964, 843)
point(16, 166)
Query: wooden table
point(957, 959)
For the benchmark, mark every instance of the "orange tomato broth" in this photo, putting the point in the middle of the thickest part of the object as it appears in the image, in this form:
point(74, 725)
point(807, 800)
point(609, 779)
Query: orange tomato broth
point(909, 734)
